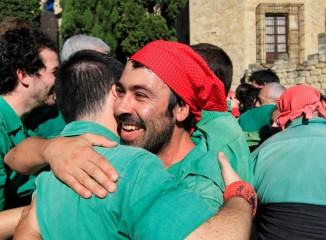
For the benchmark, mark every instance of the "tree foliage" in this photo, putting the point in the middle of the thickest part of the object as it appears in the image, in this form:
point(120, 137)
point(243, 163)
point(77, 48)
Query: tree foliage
point(28, 10)
point(125, 26)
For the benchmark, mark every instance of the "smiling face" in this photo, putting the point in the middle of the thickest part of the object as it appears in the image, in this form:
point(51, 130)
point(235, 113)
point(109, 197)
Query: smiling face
point(44, 80)
point(141, 110)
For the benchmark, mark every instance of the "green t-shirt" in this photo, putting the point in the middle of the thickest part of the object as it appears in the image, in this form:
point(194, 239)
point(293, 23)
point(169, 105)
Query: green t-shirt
point(256, 124)
point(228, 137)
point(15, 189)
point(255, 119)
point(290, 166)
point(200, 169)
point(46, 121)
point(149, 202)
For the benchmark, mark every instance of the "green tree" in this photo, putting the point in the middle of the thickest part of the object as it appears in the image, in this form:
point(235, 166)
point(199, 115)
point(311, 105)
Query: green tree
point(125, 26)
point(28, 10)
point(90, 17)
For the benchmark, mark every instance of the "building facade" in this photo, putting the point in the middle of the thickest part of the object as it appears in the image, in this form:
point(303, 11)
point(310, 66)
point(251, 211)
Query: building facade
point(262, 34)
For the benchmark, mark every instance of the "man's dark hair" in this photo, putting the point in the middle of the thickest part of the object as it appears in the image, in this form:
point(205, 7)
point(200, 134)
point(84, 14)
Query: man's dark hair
point(11, 22)
point(264, 76)
point(246, 94)
point(20, 50)
point(218, 61)
point(83, 83)
point(174, 100)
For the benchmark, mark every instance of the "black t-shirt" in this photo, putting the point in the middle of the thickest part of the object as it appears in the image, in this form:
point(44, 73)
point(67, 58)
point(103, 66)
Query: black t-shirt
point(291, 221)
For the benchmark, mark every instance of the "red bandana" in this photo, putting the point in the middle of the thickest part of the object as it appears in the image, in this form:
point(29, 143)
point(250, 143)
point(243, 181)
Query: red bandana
point(186, 73)
point(299, 100)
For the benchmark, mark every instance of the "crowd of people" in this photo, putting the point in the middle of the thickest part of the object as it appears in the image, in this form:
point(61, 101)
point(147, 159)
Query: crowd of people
point(158, 147)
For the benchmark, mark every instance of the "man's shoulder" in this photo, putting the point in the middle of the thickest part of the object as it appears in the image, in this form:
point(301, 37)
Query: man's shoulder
point(224, 130)
point(303, 134)
point(123, 157)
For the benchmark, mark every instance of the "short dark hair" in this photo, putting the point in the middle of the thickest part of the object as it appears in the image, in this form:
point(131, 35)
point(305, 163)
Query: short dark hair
point(84, 81)
point(174, 100)
point(246, 94)
point(20, 49)
point(264, 76)
point(218, 61)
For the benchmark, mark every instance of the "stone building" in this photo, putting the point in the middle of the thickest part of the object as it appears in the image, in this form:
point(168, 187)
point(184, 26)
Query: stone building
point(281, 34)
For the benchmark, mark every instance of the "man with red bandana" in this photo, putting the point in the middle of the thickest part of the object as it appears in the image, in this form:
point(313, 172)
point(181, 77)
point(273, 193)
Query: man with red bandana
point(289, 170)
point(160, 96)
point(134, 123)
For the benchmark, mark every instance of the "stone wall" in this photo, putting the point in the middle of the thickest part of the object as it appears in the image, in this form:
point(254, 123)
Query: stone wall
point(232, 24)
point(311, 72)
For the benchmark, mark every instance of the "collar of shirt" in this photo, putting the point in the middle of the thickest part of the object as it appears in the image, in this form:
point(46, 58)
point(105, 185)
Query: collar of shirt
point(209, 115)
point(299, 121)
point(200, 161)
point(82, 127)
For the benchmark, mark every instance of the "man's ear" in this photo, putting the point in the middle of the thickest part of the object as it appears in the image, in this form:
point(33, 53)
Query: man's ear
point(114, 90)
point(22, 77)
point(182, 112)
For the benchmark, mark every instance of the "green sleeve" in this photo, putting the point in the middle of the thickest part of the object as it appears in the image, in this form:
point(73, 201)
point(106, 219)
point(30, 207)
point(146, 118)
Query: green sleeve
point(207, 189)
point(161, 207)
point(240, 159)
point(3, 177)
point(3, 174)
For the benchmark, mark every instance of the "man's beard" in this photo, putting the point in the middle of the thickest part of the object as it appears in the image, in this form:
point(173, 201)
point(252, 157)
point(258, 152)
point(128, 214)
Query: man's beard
point(154, 140)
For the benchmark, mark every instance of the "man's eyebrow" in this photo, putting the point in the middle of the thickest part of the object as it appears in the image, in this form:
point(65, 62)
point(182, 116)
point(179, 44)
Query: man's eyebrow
point(119, 84)
point(136, 87)
point(141, 87)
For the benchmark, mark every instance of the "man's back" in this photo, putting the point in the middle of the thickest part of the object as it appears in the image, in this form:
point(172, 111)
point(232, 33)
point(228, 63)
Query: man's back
point(289, 180)
point(143, 205)
point(296, 156)
point(228, 138)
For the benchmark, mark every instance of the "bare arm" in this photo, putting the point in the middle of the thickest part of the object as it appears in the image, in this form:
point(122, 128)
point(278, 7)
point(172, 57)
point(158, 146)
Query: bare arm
point(28, 228)
point(8, 222)
point(233, 221)
point(72, 160)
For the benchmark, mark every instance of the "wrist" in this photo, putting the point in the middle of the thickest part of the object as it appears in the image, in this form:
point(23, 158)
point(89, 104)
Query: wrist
point(46, 150)
point(243, 190)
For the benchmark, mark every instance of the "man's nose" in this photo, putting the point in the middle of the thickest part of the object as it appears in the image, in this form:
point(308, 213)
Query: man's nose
point(123, 105)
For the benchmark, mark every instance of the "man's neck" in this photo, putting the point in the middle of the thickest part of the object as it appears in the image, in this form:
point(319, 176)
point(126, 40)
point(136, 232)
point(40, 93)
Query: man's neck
point(179, 147)
point(19, 104)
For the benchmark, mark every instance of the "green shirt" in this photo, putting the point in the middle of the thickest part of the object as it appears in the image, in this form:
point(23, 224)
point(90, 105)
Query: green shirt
point(45, 122)
point(200, 169)
point(290, 166)
point(228, 137)
point(149, 202)
point(256, 124)
point(15, 189)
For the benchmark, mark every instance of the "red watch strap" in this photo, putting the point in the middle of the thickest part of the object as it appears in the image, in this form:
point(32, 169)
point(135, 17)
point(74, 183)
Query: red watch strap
point(244, 190)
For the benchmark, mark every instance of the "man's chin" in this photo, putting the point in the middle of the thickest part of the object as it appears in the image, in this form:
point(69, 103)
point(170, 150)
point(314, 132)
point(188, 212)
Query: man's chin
point(50, 101)
point(126, 142)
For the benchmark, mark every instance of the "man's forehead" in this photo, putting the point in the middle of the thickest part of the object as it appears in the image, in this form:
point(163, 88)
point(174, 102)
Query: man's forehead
point(140, 75)
point(50, 58)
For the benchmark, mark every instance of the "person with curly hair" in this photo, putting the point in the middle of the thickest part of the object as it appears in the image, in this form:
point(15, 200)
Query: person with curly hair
point(28, 66)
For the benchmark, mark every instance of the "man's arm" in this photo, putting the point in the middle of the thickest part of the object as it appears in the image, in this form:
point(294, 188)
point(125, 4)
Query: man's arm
point(28, 228)
point(8, 222)
point(72, 160)
point(233, 221)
